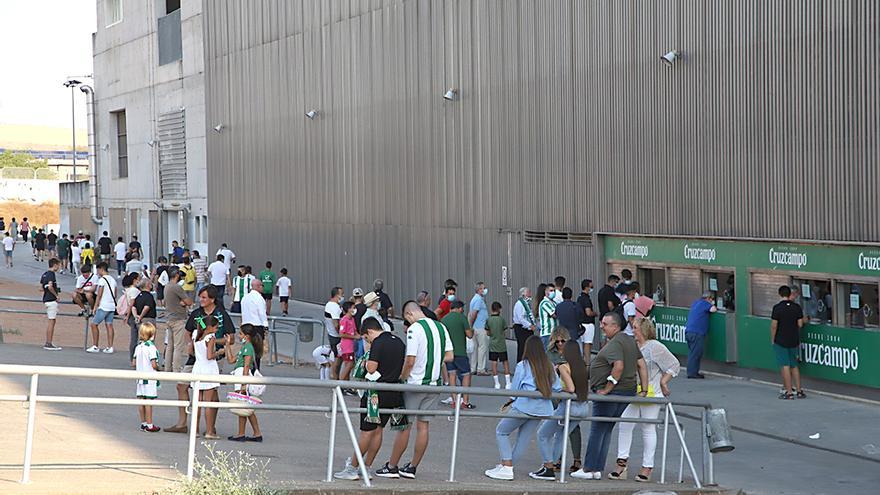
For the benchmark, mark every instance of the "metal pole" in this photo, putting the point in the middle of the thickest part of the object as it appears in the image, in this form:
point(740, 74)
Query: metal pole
point(711, 480)
point(681, 459)
point(454, 437)
point(273, 351)
point(86, 333)
point(704, 443)
point(354, 440)
point(295, 346)
point(29, 438)
point(665, 442)
point(332, 448)
point(562, 468)
point(687, 453)
point(73, 122)
point(193, 426)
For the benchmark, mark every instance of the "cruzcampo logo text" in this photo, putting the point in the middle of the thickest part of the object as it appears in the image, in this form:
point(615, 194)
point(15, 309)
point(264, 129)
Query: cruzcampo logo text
point(831, 356)
point(869, 262)
point(699, 253)
point(639, 250)
point(787, 258)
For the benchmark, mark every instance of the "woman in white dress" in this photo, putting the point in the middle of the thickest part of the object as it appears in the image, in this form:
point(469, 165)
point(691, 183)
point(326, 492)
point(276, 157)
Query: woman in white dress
point(206, 364)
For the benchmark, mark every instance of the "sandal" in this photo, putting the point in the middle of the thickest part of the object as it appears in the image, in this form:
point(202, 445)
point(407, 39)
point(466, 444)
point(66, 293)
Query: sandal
point(642, 477)
point(801, 394)
point(575, 466)
point(786, 396)
point(621, 474)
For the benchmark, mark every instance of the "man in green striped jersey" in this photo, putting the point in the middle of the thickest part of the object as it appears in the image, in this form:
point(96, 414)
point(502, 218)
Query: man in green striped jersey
point(428, 346)
point(547, 314)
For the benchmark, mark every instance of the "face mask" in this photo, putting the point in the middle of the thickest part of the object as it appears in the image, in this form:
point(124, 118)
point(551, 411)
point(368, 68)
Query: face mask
point(450, 297)
point(485, 292)
point(591, 290)
point(551, 294)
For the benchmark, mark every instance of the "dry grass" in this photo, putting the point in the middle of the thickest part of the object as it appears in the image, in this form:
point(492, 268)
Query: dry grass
point(37, 215)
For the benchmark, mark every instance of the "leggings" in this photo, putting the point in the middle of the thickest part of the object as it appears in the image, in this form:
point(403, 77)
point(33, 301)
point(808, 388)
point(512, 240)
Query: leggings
point(649, 432)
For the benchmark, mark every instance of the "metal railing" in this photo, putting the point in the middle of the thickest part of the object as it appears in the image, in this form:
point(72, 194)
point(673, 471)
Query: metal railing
point(293, 323)
point(336, 406)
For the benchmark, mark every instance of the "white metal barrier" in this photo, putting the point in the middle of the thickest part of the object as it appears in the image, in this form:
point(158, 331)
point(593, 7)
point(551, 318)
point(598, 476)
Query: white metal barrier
point(337, 405)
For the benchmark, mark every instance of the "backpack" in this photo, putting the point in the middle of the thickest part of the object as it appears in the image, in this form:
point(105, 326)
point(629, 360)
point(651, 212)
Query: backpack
point(123, 305)
point(190, 277)
point(619, 310)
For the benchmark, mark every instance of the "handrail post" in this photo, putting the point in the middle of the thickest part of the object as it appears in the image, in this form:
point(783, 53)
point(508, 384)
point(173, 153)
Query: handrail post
point(665, 443)
point(86, 332)
point(354, 440)
point(704, 443)
point(193, 426)
point(687, 453)
point(454, 436)
point(562, 468)
point(331, 450)
point(29, 436)
point(273, 352)
point(295, 346)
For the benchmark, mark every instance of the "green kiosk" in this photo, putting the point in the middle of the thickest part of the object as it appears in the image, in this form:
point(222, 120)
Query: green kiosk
point(836, 285)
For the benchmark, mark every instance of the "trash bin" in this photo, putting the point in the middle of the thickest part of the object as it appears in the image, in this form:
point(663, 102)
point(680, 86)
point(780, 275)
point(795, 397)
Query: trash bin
point(306, 332)
point(719, 431)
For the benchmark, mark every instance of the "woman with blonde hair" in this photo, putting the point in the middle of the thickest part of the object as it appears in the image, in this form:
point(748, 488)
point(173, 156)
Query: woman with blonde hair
point(662, 367)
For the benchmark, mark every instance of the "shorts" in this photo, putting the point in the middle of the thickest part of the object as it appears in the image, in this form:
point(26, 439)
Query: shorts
point(460, 365)
point(334, 345)
point(348, 356)
point(176, 352)
point(268, 296)
point(589, 333)
point(148, 390)
point(786, 356)
point(160, 291)
point(102, 316)
point(51, 310)
point(51, 247)
point(383, 418)
point(421, 401)
point(498, 356)
point(284, 299)
point(9, 254)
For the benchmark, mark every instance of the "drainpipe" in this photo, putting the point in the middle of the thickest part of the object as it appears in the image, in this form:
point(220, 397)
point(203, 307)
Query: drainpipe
point(93, 156)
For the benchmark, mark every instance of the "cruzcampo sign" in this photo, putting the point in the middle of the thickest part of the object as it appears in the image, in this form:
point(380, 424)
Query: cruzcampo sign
point(818, 258)
point(671, 323)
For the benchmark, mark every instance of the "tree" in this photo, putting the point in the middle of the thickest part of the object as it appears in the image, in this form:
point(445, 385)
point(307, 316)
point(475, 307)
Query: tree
point(20, 160)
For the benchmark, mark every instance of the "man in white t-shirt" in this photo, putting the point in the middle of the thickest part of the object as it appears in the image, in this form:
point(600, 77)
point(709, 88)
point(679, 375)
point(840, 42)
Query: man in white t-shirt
point(8, 247)
point(423, 333)
point(120, 249)
point(218, 276)
point(629, 307)
point(228, 255)
point(84, 290)
point(332, 315)
point(559, 282)
point(104, 309)
point(283, 290)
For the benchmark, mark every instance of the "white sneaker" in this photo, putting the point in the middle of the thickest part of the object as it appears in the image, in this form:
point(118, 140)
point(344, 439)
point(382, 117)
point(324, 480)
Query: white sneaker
point(446, 401)
point(497, 386)
point(350, 473)
point(500, 473)
point(507, 387)
point(107, 350)
point(587, 475)
point(93, 348)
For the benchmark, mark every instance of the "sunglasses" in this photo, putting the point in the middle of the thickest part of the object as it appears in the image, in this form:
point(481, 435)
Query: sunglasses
point(561, 342)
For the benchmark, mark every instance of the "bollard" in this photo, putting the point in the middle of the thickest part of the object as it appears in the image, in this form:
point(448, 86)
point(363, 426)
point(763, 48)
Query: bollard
point(718, 431)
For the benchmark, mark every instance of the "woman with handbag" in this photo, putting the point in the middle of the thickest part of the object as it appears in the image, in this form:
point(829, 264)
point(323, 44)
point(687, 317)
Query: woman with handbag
point(202, 347)
point(251, 349)
point(533, 373)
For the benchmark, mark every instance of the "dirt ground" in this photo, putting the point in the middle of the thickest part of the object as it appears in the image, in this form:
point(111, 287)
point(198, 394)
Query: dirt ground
point(37, 215)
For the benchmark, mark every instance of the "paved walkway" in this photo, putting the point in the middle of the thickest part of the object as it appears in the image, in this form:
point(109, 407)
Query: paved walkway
point(83, 449)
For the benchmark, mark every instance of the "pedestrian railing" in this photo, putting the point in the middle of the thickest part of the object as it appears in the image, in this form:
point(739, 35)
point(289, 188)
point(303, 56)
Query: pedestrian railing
point(291, 325)
point(337, 405)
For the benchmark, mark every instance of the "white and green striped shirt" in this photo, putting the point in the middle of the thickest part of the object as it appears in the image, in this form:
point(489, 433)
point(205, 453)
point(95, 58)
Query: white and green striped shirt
point(545, 313)
point(241, 286)
point(428, 341)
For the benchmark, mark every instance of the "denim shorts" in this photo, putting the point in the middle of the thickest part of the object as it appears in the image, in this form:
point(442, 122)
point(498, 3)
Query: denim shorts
point(102, 316)
point(460, 365)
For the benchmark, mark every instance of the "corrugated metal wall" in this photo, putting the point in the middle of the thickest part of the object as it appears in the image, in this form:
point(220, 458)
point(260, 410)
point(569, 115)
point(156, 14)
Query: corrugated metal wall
point(567, 121)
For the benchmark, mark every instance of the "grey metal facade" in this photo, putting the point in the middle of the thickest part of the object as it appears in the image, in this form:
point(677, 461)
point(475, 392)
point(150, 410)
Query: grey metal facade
point(566, 121)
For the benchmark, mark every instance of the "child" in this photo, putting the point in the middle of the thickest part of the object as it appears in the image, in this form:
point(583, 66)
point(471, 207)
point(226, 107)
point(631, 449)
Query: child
point(251, 350)
point(146, 360)
point(75, 257)
point(495, 327)
point(206, 364)
point(283, 286)
point(322, 356)
point(349, 334)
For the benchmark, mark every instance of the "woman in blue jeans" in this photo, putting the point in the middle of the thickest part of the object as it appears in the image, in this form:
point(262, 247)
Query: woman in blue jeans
point(534, 372)
point(573, 373)
point(612, 372)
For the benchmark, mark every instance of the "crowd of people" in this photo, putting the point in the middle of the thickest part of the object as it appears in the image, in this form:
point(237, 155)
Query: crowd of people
point(555, 335)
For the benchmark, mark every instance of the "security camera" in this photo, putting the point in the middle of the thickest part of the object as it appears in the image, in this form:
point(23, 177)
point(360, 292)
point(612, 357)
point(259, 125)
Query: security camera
point(450, 94)
point(669, 58)
point(151, 143)
point(218, 128)
point(311, 114)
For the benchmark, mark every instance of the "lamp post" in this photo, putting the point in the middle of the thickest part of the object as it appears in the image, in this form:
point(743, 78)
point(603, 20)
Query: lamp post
point(72, 84)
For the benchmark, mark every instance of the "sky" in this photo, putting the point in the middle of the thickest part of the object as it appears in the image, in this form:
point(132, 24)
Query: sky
point(43, 42)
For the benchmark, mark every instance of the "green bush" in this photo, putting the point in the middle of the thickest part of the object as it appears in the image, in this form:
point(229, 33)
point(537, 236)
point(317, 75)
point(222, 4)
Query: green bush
point(17, 173)
point(226, 473)
point(46, 174)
